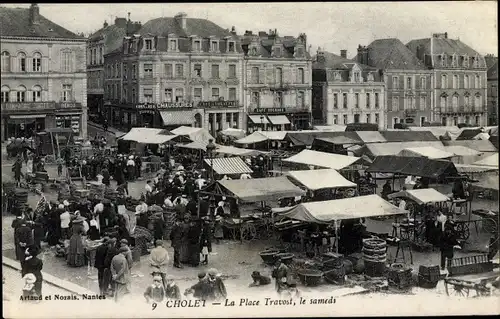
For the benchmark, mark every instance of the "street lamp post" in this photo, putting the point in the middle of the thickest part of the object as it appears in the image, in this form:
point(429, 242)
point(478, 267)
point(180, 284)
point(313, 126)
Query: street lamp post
point(262, 122)
point(210, 149)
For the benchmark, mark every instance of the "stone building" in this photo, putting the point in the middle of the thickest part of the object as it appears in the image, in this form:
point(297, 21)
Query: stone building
point(278, 81)
point(176, 71)
point(345, 91)
point(43, 79)
point(409, 90)
point(103, 41)
point(460, 84)
point(492, 76)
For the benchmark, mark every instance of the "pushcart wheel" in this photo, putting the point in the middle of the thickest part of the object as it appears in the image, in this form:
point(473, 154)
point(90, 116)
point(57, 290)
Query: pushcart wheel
point(461, 291)
point(248, 232)
point(490, 225)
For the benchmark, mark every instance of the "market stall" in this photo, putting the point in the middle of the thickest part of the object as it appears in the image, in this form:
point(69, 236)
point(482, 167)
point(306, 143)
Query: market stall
point(323, 160)
point(426, 151)
point(325, 183)
point(228, 166)
point(237, 151)
point(193, 133)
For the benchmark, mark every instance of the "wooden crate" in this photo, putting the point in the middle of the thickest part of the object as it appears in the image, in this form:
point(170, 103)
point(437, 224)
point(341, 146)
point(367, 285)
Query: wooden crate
point(469, 265)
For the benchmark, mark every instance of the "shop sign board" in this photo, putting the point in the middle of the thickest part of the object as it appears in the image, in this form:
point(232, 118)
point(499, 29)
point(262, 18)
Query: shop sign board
point(217, 104)
point(164, 105)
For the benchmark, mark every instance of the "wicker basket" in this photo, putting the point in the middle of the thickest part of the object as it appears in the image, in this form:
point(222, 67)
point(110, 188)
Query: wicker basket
point(310, 277)
point(269, 256)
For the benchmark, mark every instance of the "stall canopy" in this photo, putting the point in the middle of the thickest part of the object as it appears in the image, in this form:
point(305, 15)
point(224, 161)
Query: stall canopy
point(148, 135)
point(438, 131)
point(197, 145)
point(177, 117)
point(320, 179)
point(258, 119)
point(261, 189)
point(478, 145)
point(306, 138)
point(255, 137)
point(233, 132)
point(425, 151)
point(337, 140)
point(489, 181)
point(322, 159)
point(421, 196)
point(414, 166)
point(408, 136)
point(278, 119)
point(229, 166)
point(236, 151)
point(348, 208)
point(333, 128)
point(193, 133)
point(373, 150)
point(491, 160)
point(458, 150)
point(471, 168)
point(371, 137)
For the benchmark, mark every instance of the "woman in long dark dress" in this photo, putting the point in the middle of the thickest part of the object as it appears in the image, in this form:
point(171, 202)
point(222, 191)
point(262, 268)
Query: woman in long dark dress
point(194, 249)
point(33, 265)
point(76, 253)
point(53, 227)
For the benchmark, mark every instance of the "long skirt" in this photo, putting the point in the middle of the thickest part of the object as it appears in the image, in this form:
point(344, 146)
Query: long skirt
point(76, 252)
point(120, 290)
point(194, 254)
point(184, 253)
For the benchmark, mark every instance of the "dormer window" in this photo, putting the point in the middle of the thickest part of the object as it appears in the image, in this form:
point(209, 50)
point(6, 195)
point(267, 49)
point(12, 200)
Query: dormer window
point(443, 59)
point(476, 61)
point(197, 45)
point(370, 77)
point(299, 52)
point(172, 43)
point(148, 44)
point(277, 51)
point(232, 47)
point(214, 46)
point(466, 61)
point(454, 60)
point(356, 77)
point(253, 51)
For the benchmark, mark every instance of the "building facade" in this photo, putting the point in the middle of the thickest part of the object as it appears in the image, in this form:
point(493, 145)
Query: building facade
point(176, 71)
point(278, 81)
point(492, 76)
point(345, 91)
point(459, 79)
point(43, 79)
point(409, 93)
point(101, 42)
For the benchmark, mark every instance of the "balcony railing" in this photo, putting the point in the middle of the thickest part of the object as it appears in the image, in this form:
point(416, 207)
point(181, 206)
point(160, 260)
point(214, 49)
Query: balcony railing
point(464, 109)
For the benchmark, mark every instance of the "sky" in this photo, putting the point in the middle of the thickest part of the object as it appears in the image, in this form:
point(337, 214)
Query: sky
point(333, 26)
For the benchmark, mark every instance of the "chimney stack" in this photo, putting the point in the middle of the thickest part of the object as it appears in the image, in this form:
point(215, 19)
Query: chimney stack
point(105, 25)
point(34, 14)
point(343, 53)
point(121, 22)
point(446, 35)
point(233, 30)
point(181, 18)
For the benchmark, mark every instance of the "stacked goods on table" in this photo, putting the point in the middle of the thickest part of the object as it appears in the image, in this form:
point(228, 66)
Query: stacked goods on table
point(374, 256)
point(399, 276)
point(142, 237)
point(334, 269)
point(428, 276)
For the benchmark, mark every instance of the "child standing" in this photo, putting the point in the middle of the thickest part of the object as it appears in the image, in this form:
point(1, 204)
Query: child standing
point(60, 163)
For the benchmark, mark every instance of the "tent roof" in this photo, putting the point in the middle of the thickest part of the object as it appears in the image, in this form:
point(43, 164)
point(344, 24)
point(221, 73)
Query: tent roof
point(426, 151)
point(301, 138)
point(338, 140)
point(348, 208)
point(237, 151)
point(437, 131)
point(393, 148)
point(461, 150)
point(229, 166)
point(490, 181)
point(489, 161)
point(321, 178)
point(333, 128)
point(371, 136)
point(322, 159)
point(196, 145)
point(255, 137)
point(468, 133)
point(185, 130)
point(148, 135)
point(478, 145)
point(194, 133)
point(415, 166)
point(234, 132)
point(471, 168)
point(262, 189)
point(421, 196)
point(408, 136)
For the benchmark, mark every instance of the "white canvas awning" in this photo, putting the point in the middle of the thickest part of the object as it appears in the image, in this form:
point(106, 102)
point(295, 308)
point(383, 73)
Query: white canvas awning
point(348, 208)
point(262, 189)
point(193, 133)
point(322, 159)
point(255, 137)
point(426, 151)
point(237, 151)
point(228, 166)
point(320, 179)
point(177, 117)
point(258, 119)
point(421, 196)
point(489, 161)
point(471, 168)
point(148, 136)
point(278, 119)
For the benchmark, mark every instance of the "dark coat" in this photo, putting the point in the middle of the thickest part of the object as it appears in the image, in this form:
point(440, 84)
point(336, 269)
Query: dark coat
point(34, 266)
point(100, 256)
point(111, 252)
point(22, 234)
point(176, 235)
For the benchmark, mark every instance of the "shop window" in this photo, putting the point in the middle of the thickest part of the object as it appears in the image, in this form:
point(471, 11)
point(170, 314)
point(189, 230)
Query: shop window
point(478, 120)
point(37, 93)
point(395, 120)
point(236, 120)
point(169, 71)
point(148, 70)
point(455, 120)
point(232, 71)
point(198, 94)
point(37, 62)
point(21, 94)
point(215, 94)
point(197, 70)
point(256, 99)
point(255, 75)
point(5, 61)
point(22, 62)
point(444, 121)
point(229, 118)
point(168, 95)
point(179, 95)
point(232, 94)
point(179, 70)
point(215, 71)
point(422, 120)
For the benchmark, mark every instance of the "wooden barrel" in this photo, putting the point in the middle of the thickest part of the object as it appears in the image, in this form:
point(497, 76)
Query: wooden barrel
point(428, 276)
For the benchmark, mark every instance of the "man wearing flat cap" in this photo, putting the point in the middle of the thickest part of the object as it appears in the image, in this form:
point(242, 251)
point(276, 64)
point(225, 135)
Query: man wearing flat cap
point(100, 256)
point(120, 273)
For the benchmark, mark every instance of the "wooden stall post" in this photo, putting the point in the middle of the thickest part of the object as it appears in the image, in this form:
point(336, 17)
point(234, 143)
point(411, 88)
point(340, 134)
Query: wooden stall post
point(335, 223)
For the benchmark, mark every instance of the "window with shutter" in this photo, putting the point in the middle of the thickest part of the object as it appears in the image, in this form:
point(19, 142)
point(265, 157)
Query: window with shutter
point(169, 71)
point(179, 70)
point(215, 71)
point(179, 95)
point(168, 95)
point(22, 62)
point(148, 95)
point(215, 94)
point(6, 61)
point(255, 75)
point(5, 94)
point(232, 71)
point(232, 94)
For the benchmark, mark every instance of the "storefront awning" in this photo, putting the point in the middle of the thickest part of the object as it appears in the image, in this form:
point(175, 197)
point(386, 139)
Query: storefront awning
point(421, 196)
point(347, 208)
point(177, 117)
point(257, 119)
point(278, 119)
point(228, 166)
point(27, 116)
